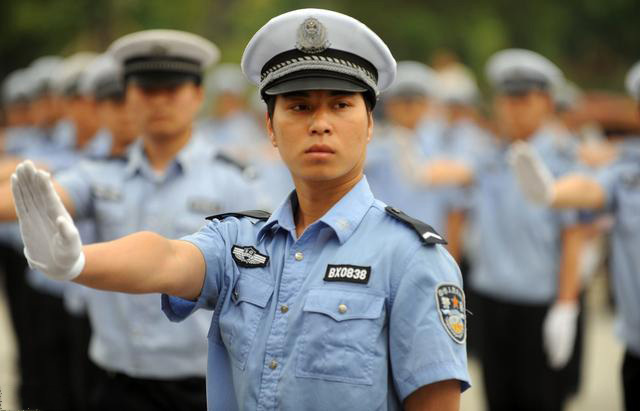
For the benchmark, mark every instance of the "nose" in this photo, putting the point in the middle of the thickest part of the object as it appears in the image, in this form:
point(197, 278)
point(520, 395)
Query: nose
point(320, 124)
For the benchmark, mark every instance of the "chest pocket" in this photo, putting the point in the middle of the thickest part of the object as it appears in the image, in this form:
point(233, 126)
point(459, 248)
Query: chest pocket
point(240, 317)
point(339, 336)
point(111, 219)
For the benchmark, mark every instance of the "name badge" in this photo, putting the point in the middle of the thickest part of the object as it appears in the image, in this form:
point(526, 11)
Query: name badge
point(347, 273)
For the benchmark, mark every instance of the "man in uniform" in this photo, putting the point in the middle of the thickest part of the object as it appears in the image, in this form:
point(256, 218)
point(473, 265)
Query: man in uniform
point(333, 302)
point(617, 190)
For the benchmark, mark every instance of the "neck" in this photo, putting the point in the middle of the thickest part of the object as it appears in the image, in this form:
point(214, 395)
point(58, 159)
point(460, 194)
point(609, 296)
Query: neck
point(161, 151)
point(118, 148)
point(316, 198)
point(84, 136)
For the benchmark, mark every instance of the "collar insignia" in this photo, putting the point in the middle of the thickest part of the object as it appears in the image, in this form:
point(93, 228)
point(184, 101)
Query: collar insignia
point(312, 37)
point(248, 256)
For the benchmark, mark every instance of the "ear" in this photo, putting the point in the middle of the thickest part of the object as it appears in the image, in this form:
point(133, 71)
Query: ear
point(270, 133)
point(369, 126)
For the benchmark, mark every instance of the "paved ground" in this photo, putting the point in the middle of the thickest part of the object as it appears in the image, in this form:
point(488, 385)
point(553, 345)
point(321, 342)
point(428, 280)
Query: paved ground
point(601, 389)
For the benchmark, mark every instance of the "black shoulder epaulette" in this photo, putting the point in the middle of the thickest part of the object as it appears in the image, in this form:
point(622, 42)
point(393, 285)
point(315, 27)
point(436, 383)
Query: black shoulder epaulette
point(108, 158)
point(259, 214)
point(229, 160)
point(427, 234)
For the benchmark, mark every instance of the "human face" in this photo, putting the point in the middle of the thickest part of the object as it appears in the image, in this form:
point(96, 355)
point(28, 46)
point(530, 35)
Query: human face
point(164, 113)
point(115, 116)
point(519, 116)
point(82, 112)
point(321, 135)
point(407, 111)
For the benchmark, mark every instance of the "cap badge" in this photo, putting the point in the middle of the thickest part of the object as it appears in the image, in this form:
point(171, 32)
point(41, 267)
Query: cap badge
point(312, 36)
point(159, 50)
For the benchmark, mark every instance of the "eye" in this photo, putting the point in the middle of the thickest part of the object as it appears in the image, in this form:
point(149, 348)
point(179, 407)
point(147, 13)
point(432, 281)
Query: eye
point(299, 107)
point(342, 104)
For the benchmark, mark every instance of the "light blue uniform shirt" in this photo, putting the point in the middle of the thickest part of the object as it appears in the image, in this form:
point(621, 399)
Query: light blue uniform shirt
point(130, 334)
point(622, 185)
point(515, 244)
point(284, 338)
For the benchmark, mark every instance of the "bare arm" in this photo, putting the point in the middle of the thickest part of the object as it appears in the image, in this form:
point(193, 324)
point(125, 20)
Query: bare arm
point(8, 210)
point(446, 172)
point(439, 396)
point(455, 223)
point(577, 191)
point(573, 240)
point(144, 262)
point(8, 166)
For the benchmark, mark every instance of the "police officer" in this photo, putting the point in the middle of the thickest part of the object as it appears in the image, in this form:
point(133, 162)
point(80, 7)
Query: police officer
point(168, 182)
point(333, 302)
point(617, 190)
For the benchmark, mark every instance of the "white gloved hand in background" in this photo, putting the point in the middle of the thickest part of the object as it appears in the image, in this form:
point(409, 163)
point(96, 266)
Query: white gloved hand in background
point(559, 333)
point(51, 240)
point(534, 178)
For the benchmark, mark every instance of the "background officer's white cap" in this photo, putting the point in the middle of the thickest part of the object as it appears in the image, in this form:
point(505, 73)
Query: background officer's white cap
point(67, 79)
point(103, 79)
point(457, 85)
point(515, 71)
point(161, 55)
point(227, 78)
point(15, 87)
point(413, 79)
point(633, 81)
point(43, 70)
point(313, 49)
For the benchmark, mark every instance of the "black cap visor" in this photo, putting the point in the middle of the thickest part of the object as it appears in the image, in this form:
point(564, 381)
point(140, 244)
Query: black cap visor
point(161, 79)
point(307, 80)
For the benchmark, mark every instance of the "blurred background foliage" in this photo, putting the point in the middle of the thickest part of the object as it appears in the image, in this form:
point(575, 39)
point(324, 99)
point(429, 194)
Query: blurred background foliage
point(593, 41)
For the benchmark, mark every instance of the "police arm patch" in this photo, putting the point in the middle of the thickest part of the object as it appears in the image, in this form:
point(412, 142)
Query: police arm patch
point(248, 256)
point(452, 311)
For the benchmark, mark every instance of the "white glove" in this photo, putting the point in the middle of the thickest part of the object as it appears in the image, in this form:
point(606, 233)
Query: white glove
point(559, 333)
point(51, 240)
point(532, 174)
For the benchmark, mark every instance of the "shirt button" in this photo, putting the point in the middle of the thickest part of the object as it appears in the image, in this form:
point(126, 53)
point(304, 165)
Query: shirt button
point(299, 256)
point(284, 309)
point(273, 365)
point(342, 308)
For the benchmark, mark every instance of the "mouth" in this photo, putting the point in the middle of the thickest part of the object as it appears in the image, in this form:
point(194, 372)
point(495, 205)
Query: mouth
point(319, 149)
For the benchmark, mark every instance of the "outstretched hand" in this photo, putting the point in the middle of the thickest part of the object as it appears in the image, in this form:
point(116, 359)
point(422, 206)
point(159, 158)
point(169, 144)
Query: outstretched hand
point(532, 174)
point(51, 240)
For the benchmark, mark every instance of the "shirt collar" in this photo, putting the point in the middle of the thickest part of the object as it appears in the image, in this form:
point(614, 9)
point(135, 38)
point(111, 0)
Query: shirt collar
point(183, 160)
point(343, 218)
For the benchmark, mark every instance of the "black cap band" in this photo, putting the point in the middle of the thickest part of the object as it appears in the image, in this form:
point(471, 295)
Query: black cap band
point(162, 64)
point(516, 86)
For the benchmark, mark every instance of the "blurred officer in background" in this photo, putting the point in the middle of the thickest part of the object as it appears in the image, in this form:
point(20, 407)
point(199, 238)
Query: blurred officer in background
point(310, 308)
point(409, 139)
point(615, 189)
point(168, 182)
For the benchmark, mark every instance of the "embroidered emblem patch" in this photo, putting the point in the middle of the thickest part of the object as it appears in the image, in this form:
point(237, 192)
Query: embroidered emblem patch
point(248, 257)
point(312, 37)
point(347, 273)
point(106, 193)
point(451, 308)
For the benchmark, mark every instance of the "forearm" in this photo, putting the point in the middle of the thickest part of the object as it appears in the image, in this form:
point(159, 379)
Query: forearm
point(8, 209)
point(577, 191)
point(455, 223)
point(569, 275)
point(144, 262)
point(447, 172)
point(7, 167)
point(439, 396)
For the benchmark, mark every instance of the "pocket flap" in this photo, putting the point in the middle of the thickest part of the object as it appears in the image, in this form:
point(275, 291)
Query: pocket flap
point(344, 305)
point(252, 290)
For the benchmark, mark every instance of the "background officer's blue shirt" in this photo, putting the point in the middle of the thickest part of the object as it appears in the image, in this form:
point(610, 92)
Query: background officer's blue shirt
point(286, 342)
point(515, 245)
point(622, 186)
point(130, 334)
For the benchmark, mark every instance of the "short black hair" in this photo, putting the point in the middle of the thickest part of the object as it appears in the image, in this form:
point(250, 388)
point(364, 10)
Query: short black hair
point(270, 101)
